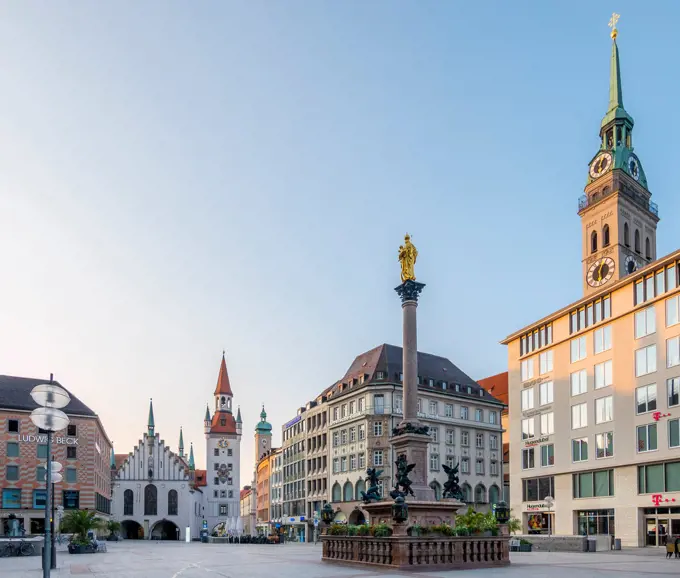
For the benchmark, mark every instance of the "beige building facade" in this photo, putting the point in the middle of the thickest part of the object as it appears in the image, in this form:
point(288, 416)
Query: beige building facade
point(594, 388)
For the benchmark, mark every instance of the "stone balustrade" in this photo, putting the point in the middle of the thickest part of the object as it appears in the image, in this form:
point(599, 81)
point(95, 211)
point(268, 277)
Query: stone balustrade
point(411, 552)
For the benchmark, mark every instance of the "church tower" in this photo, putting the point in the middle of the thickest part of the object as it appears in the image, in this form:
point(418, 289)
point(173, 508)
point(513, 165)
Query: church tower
point(223, 457)
point(263, 437)
point(618, 218)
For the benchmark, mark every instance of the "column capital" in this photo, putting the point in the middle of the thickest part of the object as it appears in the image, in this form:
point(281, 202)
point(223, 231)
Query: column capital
point(409, 290)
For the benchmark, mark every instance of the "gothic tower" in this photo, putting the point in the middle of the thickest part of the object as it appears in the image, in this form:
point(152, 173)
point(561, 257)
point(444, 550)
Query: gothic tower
point(223, 456)
point(618, 218)
point(263, 436)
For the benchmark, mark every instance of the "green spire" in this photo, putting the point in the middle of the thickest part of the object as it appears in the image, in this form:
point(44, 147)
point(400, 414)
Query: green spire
point(238, 415)
point(615, 110)
point(181, 442)
point(263, 414)
point(151, 422)
point(207, 412)
point(113, 460)
point(192, 466)
point(264, 427)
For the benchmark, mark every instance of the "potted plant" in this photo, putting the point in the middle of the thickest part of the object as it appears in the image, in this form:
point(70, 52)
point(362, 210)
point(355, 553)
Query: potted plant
point(514, 525)
point(489, 524)
point(352, 530)
point(113, 526)
point(416, 530)
point(363, 530)
point(381, 531)
point(337, 530)
point(524, 545)
point(442, 529)
point(80, 523)
point(462, 531)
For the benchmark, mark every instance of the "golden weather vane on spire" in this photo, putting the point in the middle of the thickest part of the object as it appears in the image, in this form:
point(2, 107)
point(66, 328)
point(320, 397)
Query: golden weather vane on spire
point(612, 24)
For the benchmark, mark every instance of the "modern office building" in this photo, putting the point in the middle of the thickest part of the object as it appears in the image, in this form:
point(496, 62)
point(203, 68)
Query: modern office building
point(316, 442)
point(294, 477)
point(83, 449)
point(595, 386)
point(366, 404)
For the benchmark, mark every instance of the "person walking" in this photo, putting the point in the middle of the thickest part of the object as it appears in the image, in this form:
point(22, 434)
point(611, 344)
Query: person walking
point(670, 549)
point(677, 547)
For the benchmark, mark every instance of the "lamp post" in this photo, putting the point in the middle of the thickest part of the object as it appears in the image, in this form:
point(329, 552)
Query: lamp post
point(49, 417)
point(550, 501)
point(56, 478)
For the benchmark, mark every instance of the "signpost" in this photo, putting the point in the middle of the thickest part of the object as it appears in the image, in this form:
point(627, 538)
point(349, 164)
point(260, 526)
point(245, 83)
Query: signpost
point(549, 500)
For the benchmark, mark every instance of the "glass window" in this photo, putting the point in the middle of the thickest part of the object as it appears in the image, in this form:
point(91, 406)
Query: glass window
point(493, 442)
point(434, 434)
point(545, 362)
point(645, 398)
point(673, 385)
point(598, 311)
point(604, 409)
point(672, 309)
point(603, 374)
point(528, 428)
point(546, 393)
point(42, 451)
point(39, 499)
point(673, 352)
point(493, 417)
point(450, 436)
point(578, 348)
point(646, 436)
point(649, 287)
point(672, 476)
point(589, 315)
point(479, 441)
point(379, 403)
point(607, 306)
point(579, 382)
point(602, 338)
point(673, 433)
point(547, 424)
point(645, 322)
point(527, 399)
point(463, 412)
point(71, 475)
point(11, 498)
point(671, 278)
point(582, 318)
point(71, 499)
point(12, 450)
point(434, 462)
point(378, 458)
point(479, 415)
point(654, 478)
point(645, 360)
point(448, 410)
point(378, 429)
point(579, 450)
point(433, 408)
point(639, 292)
point(579, 416)
point(528, 458)
point(547, 455)
point(527, 369)
point(12, 474)
point(604, 445)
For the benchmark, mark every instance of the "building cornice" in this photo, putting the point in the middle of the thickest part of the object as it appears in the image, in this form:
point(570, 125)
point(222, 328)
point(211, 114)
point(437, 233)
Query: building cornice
point(629, 279)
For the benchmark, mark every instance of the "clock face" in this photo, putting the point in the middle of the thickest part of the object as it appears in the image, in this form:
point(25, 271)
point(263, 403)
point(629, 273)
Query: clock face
point(600, 272)
point(631, 264)
point(223, 443)
point(601, 164)
point(264, 443)
point(634, 167)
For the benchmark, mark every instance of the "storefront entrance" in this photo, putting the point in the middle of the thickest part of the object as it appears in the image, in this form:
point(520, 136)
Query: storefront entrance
point(660, 523)
point(594, 522)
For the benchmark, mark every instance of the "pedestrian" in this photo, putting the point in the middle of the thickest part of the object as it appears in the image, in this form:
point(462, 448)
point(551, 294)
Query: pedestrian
point(670, 548)
point(677, 547)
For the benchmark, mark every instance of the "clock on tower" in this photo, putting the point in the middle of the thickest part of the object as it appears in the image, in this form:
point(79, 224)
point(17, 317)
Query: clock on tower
point(263, 436)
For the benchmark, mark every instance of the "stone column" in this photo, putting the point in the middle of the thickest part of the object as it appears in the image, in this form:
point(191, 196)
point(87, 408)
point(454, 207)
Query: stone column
point(409, 291)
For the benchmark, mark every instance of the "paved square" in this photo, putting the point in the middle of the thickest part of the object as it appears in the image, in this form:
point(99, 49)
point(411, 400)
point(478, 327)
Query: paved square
point(177, 560)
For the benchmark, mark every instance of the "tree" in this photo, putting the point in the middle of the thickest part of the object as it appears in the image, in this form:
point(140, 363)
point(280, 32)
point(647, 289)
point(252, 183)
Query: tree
point(113, 527)
point(514, 525)
point(79, 523)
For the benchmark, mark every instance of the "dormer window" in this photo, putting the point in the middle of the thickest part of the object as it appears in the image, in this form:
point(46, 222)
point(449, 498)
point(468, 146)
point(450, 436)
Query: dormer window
point(223, 421)
point(481, 393)
point(401, 377)
point(469, 389)
point(430, 382)
point(457, 386)
point(444, 385)
point(380, 375)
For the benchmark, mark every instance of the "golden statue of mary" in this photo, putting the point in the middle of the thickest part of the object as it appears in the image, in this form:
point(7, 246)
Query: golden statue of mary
point(407, 257)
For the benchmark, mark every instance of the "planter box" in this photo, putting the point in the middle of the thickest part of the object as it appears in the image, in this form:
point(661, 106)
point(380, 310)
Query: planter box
point(78, 549)
point(525, 547)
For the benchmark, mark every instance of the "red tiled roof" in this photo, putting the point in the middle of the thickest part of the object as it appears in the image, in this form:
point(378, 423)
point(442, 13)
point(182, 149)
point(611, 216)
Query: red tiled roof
point(223, 385)
point(244, 493)
point(200, 477)
point(217, 427)
point(120, 459)
point(496, 385)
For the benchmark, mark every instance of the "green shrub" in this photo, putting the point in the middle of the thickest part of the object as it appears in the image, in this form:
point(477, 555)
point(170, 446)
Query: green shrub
point(524, 542)
point(337, 530)
point(381, 531)
point(352, 530)
point(462, 531)
point(363, 530)
point(445, 529)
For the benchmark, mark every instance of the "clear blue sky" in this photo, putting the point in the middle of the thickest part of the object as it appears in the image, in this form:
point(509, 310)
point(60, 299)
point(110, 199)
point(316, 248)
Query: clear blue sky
point(178, 177)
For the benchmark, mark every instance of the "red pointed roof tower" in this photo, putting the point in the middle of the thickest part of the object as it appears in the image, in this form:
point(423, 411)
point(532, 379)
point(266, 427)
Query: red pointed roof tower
point(223, 420)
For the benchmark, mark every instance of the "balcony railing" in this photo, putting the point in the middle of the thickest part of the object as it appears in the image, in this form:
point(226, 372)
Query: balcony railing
point(639, 200)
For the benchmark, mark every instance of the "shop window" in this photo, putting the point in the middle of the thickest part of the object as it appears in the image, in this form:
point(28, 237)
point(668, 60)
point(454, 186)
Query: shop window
point(593, 484)
point(71, 499)
point(11, 498)
point(39, 499)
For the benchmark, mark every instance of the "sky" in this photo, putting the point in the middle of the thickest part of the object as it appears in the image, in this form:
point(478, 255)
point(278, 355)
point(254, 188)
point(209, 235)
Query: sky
point(179, 178)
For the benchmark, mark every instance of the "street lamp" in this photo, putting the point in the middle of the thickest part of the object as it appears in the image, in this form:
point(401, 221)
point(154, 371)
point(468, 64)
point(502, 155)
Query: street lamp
point(50, 418)
point(550, 501)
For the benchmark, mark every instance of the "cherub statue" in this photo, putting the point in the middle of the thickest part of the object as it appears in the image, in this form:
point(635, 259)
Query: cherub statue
point(451, 487)
point(373, 493)
point(403, 481)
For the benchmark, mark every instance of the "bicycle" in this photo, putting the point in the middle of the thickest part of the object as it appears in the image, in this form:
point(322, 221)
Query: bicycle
point(17, 549)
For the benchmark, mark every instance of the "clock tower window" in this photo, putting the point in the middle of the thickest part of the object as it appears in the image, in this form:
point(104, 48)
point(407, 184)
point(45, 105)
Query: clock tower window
point(637, 241)
point(648, 248)
point(626, 235)
point(593, 242)
point(605, 236)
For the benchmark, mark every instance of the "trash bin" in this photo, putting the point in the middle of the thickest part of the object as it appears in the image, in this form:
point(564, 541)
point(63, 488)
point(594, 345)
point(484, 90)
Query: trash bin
point(592, 545)
point(204, 536)
point(617, 543)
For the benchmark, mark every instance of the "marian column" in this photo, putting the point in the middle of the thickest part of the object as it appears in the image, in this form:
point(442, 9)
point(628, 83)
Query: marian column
point(410, 437)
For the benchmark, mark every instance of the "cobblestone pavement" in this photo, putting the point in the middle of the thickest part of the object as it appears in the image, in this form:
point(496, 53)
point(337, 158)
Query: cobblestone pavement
point(176, 560)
